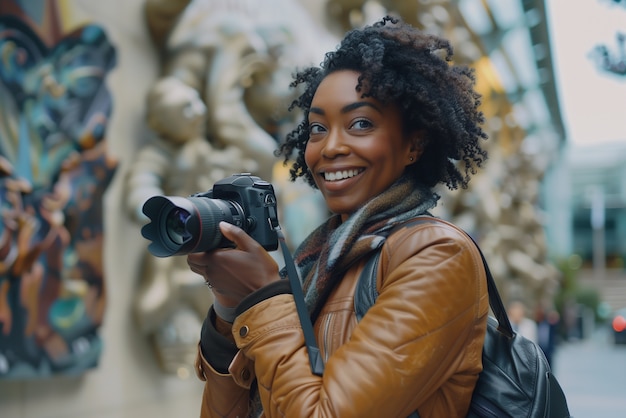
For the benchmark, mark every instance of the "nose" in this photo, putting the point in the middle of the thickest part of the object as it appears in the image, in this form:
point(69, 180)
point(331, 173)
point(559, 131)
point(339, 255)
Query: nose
point(335, 145)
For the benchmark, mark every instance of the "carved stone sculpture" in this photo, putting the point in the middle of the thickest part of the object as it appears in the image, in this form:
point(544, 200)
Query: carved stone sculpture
point(171, 300)
point(239, 56)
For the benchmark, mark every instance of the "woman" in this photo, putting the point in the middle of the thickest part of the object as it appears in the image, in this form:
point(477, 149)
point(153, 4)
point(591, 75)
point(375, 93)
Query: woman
point(386, 118)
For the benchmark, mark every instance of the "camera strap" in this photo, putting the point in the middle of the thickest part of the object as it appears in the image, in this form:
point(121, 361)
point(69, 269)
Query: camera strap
point(315, 358)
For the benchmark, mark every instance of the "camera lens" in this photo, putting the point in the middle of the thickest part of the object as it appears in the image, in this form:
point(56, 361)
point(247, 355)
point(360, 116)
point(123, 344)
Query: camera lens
point(175, 225)
point(182, 225)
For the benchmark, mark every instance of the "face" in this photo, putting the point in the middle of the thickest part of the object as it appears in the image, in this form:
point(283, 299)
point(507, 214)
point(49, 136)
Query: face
point(357, 147)
point(180, 115)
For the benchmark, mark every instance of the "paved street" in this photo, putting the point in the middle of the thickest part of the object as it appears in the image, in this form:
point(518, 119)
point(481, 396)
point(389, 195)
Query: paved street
point(593, 375)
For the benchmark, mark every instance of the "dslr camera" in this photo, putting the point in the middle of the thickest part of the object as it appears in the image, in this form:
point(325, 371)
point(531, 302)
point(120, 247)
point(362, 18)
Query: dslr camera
point(184, 225)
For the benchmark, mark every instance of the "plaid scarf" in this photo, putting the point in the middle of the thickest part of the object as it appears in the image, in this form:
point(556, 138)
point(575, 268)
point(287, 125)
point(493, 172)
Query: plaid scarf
point(324, 257)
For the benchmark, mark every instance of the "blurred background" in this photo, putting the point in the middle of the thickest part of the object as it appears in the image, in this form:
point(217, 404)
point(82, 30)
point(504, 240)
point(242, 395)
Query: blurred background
point(105, 104)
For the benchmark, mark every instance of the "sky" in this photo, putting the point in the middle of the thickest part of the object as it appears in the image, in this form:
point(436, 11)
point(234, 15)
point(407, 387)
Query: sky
point(593, 102)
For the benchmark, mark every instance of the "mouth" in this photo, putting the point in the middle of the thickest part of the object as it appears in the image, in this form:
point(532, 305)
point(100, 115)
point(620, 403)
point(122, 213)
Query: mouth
point(341, 174)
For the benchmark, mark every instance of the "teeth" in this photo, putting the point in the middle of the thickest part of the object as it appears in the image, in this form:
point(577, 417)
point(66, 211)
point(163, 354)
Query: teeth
point(340, 175)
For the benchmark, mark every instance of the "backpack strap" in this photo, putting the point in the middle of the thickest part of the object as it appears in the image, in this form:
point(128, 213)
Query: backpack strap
point(365, 294)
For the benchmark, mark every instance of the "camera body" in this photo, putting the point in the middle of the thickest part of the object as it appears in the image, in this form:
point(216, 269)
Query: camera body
point(182, 225)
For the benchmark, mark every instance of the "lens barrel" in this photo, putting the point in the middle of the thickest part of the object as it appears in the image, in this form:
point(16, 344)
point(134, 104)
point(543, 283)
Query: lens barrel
point(181, 225)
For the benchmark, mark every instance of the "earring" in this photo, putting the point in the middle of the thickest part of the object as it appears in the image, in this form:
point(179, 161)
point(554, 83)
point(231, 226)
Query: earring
point(411, 159)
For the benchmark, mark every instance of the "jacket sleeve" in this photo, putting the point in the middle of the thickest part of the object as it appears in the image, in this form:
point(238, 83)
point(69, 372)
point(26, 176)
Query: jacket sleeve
point(222, 396)
point(226, 395)
point(419, 345)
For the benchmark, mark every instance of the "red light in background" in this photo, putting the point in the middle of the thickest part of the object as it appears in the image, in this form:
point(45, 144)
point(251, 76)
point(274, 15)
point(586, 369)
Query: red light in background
point(619, 323)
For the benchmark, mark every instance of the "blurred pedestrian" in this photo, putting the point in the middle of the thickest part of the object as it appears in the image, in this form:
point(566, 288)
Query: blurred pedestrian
point(547, 324)
point(522, 324)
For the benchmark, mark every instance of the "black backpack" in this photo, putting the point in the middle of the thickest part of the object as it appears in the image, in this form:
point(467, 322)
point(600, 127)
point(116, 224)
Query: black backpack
point(516, 380)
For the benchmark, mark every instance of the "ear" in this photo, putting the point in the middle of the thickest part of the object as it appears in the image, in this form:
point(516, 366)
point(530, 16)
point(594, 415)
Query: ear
point(417, 147)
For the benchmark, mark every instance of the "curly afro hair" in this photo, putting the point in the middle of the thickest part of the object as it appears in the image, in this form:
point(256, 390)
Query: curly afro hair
point(402, 65)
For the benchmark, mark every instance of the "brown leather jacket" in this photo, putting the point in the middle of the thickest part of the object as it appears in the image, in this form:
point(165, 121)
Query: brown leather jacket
point(418, 347)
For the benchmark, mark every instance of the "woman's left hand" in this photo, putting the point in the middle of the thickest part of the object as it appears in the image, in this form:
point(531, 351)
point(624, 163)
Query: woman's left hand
point(235, 273)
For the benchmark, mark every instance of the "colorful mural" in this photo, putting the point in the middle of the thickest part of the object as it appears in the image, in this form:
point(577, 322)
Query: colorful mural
point(54, 170)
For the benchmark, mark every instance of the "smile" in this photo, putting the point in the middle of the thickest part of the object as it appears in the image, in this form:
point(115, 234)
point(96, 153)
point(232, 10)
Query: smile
point(341, 175)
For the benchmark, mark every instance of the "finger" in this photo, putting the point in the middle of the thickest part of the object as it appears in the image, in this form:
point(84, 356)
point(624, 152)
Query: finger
point(242, 240)
point(199, 263)
point(196, 266)
point(196, 259)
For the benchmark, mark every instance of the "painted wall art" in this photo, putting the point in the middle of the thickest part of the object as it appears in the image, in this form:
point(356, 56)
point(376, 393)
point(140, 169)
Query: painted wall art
point(54, 171)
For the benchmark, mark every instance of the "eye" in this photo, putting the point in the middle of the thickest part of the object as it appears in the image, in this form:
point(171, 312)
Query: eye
point(316, 128)
point(361, 124)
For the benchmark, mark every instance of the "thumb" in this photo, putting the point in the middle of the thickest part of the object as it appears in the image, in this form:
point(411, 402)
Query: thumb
point(238, 236)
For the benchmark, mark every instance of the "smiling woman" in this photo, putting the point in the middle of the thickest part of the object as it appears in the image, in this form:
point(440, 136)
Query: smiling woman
point(386, 118)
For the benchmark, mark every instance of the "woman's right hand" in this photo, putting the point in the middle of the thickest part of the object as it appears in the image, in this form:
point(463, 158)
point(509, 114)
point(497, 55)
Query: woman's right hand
point(234, 273)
